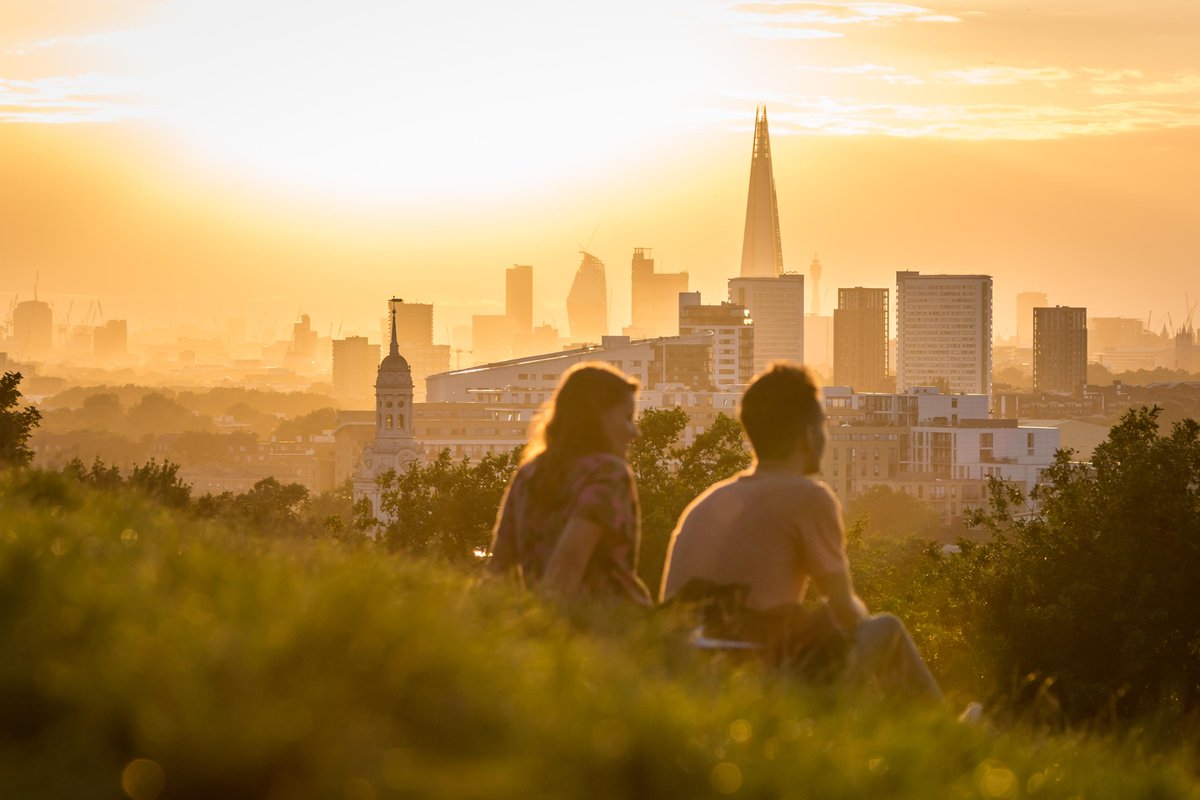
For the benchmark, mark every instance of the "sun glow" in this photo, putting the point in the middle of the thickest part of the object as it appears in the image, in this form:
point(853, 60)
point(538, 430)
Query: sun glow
point(420, 98)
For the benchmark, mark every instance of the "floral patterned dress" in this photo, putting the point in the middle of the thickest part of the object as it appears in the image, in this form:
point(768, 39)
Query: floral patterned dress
point(600, 488)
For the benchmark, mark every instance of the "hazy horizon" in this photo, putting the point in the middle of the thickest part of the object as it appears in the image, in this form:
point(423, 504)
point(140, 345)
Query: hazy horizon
point(186, 163)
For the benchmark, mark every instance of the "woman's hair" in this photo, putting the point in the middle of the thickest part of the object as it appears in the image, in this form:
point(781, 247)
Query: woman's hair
point(569, 425)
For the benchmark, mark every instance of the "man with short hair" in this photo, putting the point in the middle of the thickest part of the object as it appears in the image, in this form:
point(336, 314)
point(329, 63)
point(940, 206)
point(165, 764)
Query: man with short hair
point(770, 529)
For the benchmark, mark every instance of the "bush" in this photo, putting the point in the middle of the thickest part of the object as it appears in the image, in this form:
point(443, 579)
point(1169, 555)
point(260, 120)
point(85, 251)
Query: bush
point(446, 509)
point(1098, 588)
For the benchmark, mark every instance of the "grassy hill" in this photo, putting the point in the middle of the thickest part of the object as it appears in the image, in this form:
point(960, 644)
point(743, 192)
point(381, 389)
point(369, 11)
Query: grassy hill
point(146, 653)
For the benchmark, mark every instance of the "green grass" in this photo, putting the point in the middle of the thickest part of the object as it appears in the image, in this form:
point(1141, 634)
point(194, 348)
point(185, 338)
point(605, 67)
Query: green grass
point(146, 653)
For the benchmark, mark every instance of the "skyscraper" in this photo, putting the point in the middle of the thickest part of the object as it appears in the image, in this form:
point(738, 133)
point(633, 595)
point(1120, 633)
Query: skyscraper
point(1059, 349)
point(762, 253)
point(33, 327)
point(355, 363)
point(860, 339)
point(414, 334)
point(654, 297)
point(111, 340)
point(944, 332)
point(413, 323)
point(776, 307)
point(587, 302)
point(518, 298)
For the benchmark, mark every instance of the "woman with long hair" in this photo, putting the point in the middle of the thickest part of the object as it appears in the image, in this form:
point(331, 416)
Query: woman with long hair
point(569, 519)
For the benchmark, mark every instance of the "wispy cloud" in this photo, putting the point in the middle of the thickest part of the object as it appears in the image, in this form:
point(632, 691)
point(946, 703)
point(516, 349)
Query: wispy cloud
point(1135, 82)
point(809, 19)
point(785, 32)
point(70, 98)
point(872, 71)
point(109, 38)
point(1005, 76)
point(843, 116)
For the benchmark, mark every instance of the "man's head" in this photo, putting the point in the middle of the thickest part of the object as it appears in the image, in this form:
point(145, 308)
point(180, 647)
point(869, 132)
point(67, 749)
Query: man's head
point(783, 414)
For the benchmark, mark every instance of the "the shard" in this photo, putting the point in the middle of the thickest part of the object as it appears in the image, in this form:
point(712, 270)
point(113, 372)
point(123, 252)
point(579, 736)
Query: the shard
point(762, 254)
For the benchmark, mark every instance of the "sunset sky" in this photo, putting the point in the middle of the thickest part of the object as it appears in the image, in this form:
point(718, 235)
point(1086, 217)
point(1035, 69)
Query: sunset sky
point(192, 160)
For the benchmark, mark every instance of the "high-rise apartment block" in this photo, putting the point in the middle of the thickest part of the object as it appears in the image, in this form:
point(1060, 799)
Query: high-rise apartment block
point(762, 251)
point(414, 323)
point(860, 339)
point(1026, 303)
point(776, 307)
point(414, 337)
point(303, 347)
point(111, 340)
point(1109, 334)
point(944, 332)
point(518, 299)
point(587, 302)
point(654, 299)
point(33, 327)
point(732, 333)
point(355, 362)
point(1059, 349)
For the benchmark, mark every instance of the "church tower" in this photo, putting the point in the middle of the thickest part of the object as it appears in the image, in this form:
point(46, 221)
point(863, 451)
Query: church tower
point(394, 447)
point(393, 392)
point(762, 253)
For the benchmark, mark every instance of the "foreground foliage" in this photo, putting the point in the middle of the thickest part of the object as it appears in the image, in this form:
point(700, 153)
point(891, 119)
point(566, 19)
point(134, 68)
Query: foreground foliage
point(150, 653)
point(1098, 590)
point(16, 424)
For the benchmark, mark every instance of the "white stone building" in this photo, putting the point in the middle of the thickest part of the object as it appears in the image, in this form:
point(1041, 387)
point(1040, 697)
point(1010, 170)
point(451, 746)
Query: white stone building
point(394, 446)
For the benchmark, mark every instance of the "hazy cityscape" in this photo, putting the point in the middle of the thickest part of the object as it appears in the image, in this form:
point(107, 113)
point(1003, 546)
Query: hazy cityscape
point(699, 398)
point(925, 398)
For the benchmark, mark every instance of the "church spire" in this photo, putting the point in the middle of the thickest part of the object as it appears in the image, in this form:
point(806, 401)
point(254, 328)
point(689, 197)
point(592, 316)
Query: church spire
point(395, 349)
point(762, 253)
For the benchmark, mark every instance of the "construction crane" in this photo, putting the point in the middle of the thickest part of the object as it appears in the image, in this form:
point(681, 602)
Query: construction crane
point(64, 327)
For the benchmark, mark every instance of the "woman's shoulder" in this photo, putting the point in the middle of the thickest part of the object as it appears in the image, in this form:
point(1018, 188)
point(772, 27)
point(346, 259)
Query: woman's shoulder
point(525, 472)
point(602, 466)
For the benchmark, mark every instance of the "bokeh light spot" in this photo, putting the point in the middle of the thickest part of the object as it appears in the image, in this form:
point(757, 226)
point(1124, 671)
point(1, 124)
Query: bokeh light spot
point(143, 779)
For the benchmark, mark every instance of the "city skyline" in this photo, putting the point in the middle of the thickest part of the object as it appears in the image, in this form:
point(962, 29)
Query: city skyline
point(938, 138)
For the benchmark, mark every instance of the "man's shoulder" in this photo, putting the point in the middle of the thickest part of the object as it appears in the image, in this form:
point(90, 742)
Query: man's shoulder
point(802, 488)
point(724, 488)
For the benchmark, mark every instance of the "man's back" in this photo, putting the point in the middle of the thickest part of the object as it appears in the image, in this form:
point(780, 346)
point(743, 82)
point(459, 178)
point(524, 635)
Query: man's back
point(769, 530)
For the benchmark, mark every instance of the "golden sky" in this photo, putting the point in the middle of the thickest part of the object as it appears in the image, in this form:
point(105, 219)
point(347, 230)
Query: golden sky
point(189, 160)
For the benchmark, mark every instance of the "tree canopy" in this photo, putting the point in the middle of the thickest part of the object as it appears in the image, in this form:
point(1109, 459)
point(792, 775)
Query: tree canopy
point(16, 424)
point(1098, 588)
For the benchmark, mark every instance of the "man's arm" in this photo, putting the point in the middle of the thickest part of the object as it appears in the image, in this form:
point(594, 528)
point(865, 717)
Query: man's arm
point(568, 562)
point(848, 608)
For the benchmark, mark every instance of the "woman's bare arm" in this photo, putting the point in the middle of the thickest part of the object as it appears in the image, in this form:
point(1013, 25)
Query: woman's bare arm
point(568, 563)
